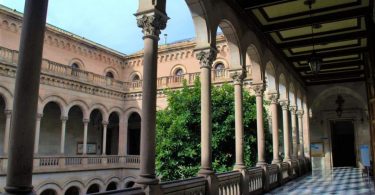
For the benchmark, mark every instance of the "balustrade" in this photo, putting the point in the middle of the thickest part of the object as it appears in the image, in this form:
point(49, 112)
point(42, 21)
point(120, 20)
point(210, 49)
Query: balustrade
point(192, 186)
point(273, 172)
point(285, 171)
point(255, 180)
point(230, 183)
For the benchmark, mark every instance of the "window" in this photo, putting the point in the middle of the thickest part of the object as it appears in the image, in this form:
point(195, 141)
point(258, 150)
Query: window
point(136, 78)
point(178, 72)
point(109, 75)
point(75, 66)
point(219, 70)
point(219, 66)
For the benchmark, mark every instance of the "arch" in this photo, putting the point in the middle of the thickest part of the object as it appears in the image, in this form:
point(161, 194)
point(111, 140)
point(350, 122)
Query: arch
point(50, 129)
point(283, 87)
point(134, 133)
point(94, 188)
point(253, 60)
point(117, 110)
point(337, 90)
point(113, 130)
point(79, 62)
point(74, 184)
point(233, 43)
point(299, 99)
point(111, 70)
point(50, 185)
point(270, 78)
point(81, 104)
point(133, 75)
point(176, 67)
point(292, 95)
point(56, 99)
point(48, 192)
point(127, 181)
point(101, 108)
point(7, 96)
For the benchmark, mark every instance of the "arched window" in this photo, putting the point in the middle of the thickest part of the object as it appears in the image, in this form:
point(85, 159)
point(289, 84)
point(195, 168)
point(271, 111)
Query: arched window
point(136, 78)
point(111, 186)
point(109, 75)
point(48, 192)
point(72, 191)
point(75, 66)
point(94, 188)
point(219, 70)
point(178, 72)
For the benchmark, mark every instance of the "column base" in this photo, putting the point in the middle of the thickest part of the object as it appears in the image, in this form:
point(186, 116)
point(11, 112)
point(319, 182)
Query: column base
point(261, 164)
point(276, 161)
point(212, 186)
point(147, 180)
point(24, 190)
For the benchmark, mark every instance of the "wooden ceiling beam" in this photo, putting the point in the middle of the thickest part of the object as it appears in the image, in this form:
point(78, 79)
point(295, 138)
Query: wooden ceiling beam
point(334, 53)
point(333, 65)
point(322, 40)
point(251, 4)
point(324, 18)
point(343, 80)
point(334, 75)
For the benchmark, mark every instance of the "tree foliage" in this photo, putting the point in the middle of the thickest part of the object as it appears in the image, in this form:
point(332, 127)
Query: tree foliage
point(178, 132)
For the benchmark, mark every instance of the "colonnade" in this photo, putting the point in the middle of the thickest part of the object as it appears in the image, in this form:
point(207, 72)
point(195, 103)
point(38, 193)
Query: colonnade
point(152, 20)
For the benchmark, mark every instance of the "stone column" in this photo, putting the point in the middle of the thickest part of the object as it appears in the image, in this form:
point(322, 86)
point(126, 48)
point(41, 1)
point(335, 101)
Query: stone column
point(85, 127)
point(293, 110)
point(238, 77)
point(8, 114)
point(259, 89)
point(306, 134)
point(284, 106)
point(63, 129)
point(20, 161)
point(104, 146)
point(206, 58)
point(275, 128)
point(37, 133)
point(300, 133)
point(151, 23)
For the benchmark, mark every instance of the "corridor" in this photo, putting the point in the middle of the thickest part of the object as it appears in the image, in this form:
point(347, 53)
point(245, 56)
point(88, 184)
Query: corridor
point(341, 181)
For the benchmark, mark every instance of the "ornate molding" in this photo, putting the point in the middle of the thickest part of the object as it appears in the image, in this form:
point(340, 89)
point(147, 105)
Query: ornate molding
point(274, 97)
point(152, 24)
point(105, 123)
point(299, 113)
point(284, 104)
point(207, 57)
point(237, 76)
point(258, 89)
point(293, 109)
point(85, 120)
point(64, 118)
point(8, 113)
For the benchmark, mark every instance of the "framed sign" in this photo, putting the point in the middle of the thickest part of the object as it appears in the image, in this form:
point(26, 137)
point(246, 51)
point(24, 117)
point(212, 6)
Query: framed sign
point(91, 148)
point(317, 149)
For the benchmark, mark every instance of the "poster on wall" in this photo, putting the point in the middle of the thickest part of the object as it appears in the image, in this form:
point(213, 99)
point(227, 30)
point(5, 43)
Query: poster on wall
point(365, 155)
point(91, 148)
point(317, 149)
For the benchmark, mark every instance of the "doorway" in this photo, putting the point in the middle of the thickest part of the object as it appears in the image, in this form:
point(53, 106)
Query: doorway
point(343, 143)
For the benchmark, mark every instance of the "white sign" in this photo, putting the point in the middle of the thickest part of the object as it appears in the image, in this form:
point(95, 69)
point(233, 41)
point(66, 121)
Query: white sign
point(365, 155)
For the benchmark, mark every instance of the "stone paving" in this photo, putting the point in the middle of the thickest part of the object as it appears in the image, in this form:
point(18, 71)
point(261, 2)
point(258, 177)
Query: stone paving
point(340, 181)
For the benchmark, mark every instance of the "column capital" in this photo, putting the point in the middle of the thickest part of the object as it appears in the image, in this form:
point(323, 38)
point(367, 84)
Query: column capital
point(274, 97)
point(8, 112)
point(152, 23)
point(105, 123)
point(299, 113)
point(206, 57)
point(85, 120)
point(258, 89)
point(284, 104)
point(237, 76)
point(293, 109)
point(64, 118)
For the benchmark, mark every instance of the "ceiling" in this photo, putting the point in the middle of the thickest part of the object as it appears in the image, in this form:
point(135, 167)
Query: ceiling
point(340, 35)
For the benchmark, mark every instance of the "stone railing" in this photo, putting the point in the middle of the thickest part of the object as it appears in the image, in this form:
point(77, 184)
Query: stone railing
point(56, 69)
point(273, 172)
point(230, 183)
point(294, 168)
point(255, 180)
point(61, 163)
point(128, 191)
point(285, 171)
point(192, 186)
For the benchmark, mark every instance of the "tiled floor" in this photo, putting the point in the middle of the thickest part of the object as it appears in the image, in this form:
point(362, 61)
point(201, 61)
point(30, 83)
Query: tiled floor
point(340, 181)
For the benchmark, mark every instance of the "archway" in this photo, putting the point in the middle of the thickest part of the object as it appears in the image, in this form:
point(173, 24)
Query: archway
point(72, 191)
point(95, 133)
point(111, 186)
point(48, 192)
point(112, 134)
point(134, 134)
point(74, 131)
point(94, 188)
point(129, 184)
point(2, 123)
point(50, 130)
